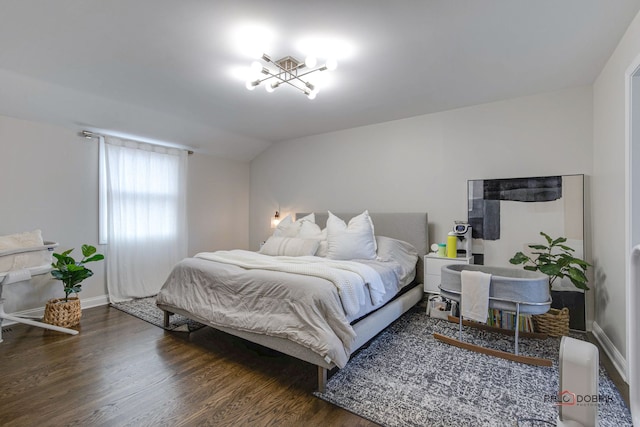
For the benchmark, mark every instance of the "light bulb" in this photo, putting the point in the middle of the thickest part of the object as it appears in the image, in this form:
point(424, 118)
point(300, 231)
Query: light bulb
point(313, 89)
point(311, 95)
point(270, 88)
point(250, 85)
point(310, 61)
point(332, 64)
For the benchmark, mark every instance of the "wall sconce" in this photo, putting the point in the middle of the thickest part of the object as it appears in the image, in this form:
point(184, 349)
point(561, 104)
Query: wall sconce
point(275, 220)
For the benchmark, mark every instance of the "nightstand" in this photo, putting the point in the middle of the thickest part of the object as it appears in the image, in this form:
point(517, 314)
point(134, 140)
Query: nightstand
point(432, 266)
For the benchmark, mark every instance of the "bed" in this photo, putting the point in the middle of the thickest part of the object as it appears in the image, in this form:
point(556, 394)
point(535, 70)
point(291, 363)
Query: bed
point(308, 318)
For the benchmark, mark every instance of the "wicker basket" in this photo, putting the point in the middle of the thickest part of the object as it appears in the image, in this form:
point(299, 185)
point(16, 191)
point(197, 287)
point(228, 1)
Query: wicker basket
point(63, 313)
point(554, 323)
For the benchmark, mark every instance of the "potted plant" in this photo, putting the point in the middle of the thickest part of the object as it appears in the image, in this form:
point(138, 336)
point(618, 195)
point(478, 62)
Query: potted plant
point(66, 312)
point(556, 260)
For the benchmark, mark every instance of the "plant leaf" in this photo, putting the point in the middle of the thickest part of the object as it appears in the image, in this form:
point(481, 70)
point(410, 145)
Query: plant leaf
point(65, 253)
point(558, 241)
point(577, 274)
point(550, 269)
point(579, 284)
point(519, 258)
point(96, 257)
point(581, 263)
point(88, 250)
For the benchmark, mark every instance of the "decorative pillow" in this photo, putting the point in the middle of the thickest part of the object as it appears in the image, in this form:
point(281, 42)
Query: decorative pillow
point(289, 246)
point(310, 218)
point(353, 241)
point(289, 228)
point(310, 230)
point(323, 248)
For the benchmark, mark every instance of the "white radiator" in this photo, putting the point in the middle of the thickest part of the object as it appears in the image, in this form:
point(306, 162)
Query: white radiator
point(578, 384)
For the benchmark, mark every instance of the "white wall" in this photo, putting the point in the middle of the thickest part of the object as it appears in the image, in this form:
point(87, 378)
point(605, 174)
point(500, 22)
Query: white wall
point(49, 180)
point(423, 163)
point(608, 191)
point(218, 211)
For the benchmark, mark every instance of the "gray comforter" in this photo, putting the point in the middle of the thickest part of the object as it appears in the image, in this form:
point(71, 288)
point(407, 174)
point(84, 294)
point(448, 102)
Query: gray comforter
point(302, 308)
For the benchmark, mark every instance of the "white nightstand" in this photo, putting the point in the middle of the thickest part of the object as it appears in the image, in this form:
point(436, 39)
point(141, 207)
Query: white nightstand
point(432, 266)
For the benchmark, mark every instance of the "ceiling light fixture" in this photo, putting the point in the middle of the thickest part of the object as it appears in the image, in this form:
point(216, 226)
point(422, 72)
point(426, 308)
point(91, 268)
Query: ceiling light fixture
point(289, 71)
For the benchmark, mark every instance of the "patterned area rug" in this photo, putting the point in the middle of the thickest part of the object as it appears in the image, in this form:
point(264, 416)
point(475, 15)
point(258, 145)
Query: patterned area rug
point(146, 309)
point(407, 378)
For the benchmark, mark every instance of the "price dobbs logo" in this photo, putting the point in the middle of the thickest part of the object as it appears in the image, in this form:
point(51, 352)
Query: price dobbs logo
point(567, 398)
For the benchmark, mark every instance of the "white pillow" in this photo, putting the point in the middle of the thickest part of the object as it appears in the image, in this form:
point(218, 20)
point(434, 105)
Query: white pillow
point(289, 228)
point(401, 252)
point(289, 246)
point(353, 241)
point(310, 230)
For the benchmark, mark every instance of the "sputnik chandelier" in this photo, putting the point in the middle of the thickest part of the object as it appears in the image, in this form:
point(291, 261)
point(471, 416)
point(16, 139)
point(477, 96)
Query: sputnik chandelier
point(289, 71)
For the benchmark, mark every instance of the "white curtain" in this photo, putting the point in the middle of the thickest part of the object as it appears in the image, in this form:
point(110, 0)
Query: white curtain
point(145, 216)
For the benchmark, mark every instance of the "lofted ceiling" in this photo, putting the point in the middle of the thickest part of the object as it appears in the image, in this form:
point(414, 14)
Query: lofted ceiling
point(173, 70)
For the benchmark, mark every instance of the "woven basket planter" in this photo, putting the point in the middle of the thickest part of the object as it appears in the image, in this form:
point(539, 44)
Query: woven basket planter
point(63, 313)
point(554, 323)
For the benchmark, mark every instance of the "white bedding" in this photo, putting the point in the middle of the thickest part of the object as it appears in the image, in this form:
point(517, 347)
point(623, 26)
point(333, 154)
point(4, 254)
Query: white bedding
point(350, 278)
point(308, 300)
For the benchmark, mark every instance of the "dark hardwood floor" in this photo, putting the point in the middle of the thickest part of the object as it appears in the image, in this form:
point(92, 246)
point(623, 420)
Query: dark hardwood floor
point(122, 371)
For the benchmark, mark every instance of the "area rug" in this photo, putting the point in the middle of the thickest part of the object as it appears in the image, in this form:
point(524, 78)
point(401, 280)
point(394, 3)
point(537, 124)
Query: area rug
point(146, 309)
point(407, 378)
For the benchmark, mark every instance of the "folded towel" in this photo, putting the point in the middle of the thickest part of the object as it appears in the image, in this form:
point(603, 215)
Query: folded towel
point(475, 295)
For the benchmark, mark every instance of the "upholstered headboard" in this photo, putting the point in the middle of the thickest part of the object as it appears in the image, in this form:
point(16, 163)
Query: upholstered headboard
point(412, 227)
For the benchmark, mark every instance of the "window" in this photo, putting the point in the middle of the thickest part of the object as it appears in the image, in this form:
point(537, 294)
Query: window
point(142, 214)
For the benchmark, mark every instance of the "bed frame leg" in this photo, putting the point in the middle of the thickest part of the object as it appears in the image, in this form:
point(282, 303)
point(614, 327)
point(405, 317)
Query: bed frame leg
point(167, 315)
point(322, 379)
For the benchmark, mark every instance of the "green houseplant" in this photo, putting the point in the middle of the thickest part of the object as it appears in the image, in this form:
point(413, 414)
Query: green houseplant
point(66, 312)
point(72, 272)
point(556, 260)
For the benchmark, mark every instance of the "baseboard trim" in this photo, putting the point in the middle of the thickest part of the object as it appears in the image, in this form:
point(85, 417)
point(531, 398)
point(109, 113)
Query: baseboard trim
point(38, 313)
point(95, 301)
point(615, 356)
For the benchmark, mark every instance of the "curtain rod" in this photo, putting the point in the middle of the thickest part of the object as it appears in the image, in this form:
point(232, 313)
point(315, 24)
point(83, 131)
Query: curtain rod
point(88, 134)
